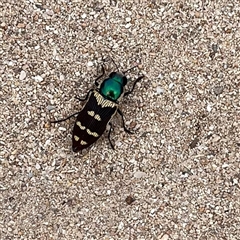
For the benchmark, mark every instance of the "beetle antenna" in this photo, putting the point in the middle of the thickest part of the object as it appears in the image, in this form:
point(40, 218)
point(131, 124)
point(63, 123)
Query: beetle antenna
point(129, 69)
point(115, 64)
point(126, 70)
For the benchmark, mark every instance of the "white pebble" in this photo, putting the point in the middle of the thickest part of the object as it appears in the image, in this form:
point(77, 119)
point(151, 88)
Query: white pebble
point(128, 19)
point(164, 237)
point(209, 108)
point(50, 107)
point(235, 181)
point(128, 25)
point(38, 166)
point(47, 142)
point(38, 78)
point(61, 77)
point(171, 85)
point(84, 15)
point(22, 75)
point(121, 225)
point(54, 52)
point(140, 174)
point(211, 127)
point(225, 165)
point(188, 97)
point(216, 138)
point(160, 90)
point(90, 64)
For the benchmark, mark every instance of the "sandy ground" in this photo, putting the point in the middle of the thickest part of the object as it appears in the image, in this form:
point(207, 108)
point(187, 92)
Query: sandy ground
point(177, 177)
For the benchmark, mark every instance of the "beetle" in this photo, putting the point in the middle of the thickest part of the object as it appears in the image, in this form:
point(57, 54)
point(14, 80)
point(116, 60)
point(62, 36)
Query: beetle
point(102, 103)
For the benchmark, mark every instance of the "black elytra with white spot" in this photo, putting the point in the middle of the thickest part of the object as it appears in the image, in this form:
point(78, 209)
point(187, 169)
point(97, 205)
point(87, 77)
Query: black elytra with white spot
point(91, 122)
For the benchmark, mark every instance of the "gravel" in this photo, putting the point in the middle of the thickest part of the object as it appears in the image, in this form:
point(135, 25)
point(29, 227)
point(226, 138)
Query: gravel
point(177, 177)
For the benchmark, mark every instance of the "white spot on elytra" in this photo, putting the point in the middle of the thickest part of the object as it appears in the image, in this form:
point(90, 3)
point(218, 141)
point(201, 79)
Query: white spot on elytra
point(78, 123)
point(92, 133)
point(91, 113)
point(97, 117)
point(83, 143)
point(76, 138)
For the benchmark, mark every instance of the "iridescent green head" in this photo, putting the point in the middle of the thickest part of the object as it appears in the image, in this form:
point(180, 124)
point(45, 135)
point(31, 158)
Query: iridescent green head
point(112, 88)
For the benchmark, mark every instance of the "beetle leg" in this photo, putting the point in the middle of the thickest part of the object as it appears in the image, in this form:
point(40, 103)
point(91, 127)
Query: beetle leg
point(124, 127)
point(64, 119)
point(134, 84)
point(84, 99)
point(109, 132)
point(103, 72)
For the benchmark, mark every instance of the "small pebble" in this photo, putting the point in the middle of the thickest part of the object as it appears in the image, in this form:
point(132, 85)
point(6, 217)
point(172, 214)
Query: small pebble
point(90, 64)
point(128, 19)
point(128, 25)
point(209, 108)
point(84, 15)
point(22, 75)
point(160, 90)
point(171, 85)
point(140, 174)
point(218, 90)
point(37, 166)
point(38, 78)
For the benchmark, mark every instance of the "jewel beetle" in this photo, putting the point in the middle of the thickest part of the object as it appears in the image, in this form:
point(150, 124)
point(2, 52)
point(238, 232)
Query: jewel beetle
point(102, 103)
